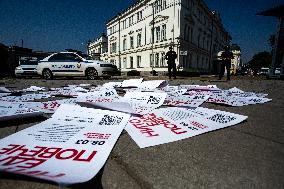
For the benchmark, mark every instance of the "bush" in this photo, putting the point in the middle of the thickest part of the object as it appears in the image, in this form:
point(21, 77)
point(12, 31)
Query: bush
point(133, 73)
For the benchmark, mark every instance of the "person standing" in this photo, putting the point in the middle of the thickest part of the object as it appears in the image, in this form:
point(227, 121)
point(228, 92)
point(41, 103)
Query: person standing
point(171, 57)
point(226, 57)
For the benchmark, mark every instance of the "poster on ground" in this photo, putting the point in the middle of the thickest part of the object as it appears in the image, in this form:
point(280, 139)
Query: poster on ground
point(71, 147)
point(161, 126)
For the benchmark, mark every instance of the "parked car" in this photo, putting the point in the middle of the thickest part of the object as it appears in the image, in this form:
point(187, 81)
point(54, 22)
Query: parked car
point(276, 73)
point(263, 71)
point(74, 64)
point(27, 67)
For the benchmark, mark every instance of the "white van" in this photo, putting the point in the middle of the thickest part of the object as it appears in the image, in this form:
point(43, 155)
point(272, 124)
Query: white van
point(27, 67)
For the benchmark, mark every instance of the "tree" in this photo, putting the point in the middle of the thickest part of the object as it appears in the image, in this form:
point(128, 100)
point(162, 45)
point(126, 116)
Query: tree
point(259, 60)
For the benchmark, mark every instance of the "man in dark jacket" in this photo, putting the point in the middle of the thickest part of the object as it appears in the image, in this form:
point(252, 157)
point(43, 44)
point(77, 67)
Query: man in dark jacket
point(226, 57)
point(170, 57)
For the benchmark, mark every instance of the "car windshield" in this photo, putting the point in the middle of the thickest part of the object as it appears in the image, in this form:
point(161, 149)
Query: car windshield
point(85, 56)
point(28, 62)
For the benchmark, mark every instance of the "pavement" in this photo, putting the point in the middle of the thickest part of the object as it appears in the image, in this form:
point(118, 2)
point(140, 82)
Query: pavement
point(248, 155)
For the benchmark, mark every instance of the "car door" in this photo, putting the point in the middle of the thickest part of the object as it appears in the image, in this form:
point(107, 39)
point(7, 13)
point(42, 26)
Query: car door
point(56, 63)
point(72, 65)
point(64, 64)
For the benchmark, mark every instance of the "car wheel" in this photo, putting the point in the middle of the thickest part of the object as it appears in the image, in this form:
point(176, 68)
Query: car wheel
point(47, 74)
point(91, 73)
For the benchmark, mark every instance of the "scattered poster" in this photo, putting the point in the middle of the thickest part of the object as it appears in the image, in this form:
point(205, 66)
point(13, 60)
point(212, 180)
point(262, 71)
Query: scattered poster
point(144, 102)
point(75, 138)
point(162, 126)
point(132, 82)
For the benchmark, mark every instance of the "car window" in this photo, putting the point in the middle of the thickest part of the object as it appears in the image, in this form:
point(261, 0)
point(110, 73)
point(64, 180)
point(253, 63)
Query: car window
point(72, 57)
point(28, 62)
point(64, 57)
point(57, 57)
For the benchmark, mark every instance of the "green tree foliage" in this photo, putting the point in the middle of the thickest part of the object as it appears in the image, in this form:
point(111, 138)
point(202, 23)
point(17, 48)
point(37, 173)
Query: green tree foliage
point(259, 60)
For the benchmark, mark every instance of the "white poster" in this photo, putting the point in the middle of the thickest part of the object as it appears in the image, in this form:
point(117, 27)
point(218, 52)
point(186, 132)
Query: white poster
point(34, 89)
point(4, 90)
point(49, 106)
point(71, 147)
point(193, 100)
point(132, 82)
point(107, 95)
point(10, 111)
point(152, 84)
point(144, 102)
point(161, 125)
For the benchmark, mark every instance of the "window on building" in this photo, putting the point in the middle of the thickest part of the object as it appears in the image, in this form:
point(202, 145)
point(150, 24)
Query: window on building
point(164, 4)
point(138, 39)
point(123, 24)
point(138, 61)
point(163, 33)
point(131, 42)
point(159, 5)
point(203, 42)
point(139, 16)
point(131, 61)
point(151, 60)
point(157, 59)
point(113, 47)
point(158, 33)
point(163, 59)
point(124, 62)
point(124, 44)
point(130, 20)
point(152, 36)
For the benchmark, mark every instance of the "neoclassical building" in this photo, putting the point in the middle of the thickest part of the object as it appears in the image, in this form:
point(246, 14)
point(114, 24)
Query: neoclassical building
point(98, 47)
point(140, 36)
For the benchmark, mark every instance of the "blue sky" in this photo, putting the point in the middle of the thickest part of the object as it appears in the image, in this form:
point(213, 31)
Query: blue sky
point(54, 25)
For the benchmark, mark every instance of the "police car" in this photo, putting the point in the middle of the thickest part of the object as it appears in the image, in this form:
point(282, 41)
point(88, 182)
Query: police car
point(74, 64)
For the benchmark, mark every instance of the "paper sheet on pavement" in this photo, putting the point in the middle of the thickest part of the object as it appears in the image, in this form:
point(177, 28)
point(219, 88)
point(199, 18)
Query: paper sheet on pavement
point(69, 148)
point(144, 102)
point(132, 82)
point(9, 111)
point(152, 84)
point(162, 126)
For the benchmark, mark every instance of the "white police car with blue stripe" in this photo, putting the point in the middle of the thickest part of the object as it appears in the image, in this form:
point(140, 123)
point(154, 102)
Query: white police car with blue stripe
point(74, 64)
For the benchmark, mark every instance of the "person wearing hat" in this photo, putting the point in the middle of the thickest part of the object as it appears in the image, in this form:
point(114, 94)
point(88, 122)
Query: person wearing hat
point(226, 57)
point(170, 57)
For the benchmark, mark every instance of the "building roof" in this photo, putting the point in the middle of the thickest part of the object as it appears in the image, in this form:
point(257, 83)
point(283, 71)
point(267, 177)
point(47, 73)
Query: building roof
point(125, 10)
point(276, 12)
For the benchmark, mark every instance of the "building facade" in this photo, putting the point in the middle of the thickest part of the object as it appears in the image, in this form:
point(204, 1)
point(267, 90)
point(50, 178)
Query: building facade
point(140, 36)
point(98, 47)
